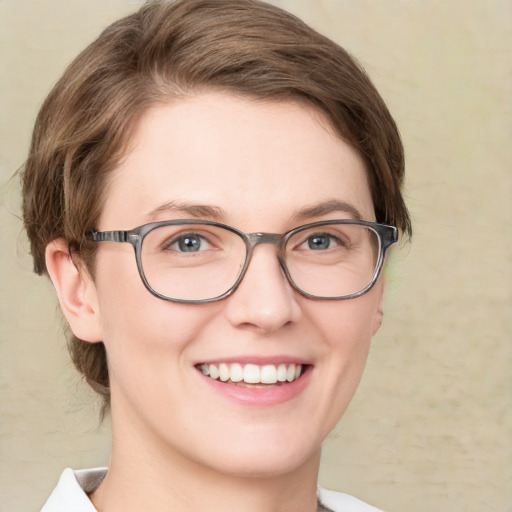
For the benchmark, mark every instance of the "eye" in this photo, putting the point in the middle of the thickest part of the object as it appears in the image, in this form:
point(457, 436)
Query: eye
point(188, 242)
point(321, 242)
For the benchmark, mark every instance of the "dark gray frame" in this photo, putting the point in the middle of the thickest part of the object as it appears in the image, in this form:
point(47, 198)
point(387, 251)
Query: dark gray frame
point(387, 236)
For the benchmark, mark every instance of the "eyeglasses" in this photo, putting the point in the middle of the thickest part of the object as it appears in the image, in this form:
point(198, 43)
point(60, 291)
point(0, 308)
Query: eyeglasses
point(196, 262)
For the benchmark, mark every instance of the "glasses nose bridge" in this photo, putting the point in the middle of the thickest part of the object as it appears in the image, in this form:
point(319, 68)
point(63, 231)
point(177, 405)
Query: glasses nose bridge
point(264, 238)
point(254, 239)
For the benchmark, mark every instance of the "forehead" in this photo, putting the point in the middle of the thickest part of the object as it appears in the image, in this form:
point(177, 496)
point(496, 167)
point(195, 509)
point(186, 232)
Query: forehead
point(250, 159)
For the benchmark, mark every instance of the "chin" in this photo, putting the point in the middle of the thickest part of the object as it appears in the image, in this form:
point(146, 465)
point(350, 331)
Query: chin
point(264, 459)
point(267, 464)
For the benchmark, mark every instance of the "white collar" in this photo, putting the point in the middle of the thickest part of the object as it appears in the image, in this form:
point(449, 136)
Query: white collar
point(70, 495)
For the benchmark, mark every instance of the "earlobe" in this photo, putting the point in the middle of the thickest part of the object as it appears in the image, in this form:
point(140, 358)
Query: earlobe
point(75, 290)
point(379, 313)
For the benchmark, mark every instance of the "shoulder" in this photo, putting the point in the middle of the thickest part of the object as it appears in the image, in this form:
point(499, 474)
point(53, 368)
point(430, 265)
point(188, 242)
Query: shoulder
point(70, 495)
point(339, 502)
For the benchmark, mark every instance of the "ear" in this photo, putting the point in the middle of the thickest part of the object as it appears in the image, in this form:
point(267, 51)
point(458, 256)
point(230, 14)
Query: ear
point(379, 313)
point(75, 290)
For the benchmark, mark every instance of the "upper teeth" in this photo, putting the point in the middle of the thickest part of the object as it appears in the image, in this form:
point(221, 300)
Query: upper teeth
point(253, 373)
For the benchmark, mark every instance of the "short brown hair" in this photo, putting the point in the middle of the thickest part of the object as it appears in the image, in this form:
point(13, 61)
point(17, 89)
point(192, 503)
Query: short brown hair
point(168, 49)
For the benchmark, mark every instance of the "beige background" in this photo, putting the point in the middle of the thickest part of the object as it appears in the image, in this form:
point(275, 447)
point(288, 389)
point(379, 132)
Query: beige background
point(430, 429)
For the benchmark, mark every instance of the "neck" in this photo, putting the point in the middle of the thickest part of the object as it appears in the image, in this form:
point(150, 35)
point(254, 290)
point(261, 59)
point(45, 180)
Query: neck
point(151, 476)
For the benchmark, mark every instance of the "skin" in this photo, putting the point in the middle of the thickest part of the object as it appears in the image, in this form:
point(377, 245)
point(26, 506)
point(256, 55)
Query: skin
point(257, 163)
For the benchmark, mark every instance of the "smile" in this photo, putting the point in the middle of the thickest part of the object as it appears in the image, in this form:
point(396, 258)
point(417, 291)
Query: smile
point(252, 373)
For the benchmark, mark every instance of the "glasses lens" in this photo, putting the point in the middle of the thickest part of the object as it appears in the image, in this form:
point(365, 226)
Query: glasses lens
point(333, 260)
point(192, 261)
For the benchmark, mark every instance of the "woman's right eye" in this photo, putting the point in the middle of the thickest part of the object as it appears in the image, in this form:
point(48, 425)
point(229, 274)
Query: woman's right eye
point(319, 242)
point(189, 242)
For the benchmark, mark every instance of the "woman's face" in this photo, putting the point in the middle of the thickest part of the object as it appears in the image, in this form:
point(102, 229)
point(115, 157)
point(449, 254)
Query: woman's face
point(252, 165)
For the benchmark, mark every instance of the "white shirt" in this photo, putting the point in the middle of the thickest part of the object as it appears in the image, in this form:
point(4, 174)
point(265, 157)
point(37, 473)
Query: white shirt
point(70, 495)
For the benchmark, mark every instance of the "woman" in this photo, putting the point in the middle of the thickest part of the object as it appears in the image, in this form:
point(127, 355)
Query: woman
point(256, 173)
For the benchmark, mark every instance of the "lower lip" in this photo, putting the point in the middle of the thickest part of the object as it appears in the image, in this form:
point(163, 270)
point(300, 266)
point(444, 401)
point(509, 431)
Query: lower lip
point(260, 396)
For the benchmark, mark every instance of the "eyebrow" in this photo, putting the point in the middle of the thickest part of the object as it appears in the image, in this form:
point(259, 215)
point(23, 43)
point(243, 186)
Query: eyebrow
point(325, 207)
point(198, 211)
point(215, 213)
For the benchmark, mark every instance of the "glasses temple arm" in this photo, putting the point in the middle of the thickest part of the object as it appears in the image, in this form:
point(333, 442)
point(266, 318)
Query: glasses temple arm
point(108, 236)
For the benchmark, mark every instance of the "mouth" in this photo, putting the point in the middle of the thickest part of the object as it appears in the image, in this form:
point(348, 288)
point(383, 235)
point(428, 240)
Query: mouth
point(253, 375)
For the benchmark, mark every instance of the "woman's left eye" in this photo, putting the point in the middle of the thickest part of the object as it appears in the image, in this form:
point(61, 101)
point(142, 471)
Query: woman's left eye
point(320, 242)
point(189, 242)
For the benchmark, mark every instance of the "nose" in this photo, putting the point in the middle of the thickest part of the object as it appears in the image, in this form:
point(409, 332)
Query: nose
point(264, 300)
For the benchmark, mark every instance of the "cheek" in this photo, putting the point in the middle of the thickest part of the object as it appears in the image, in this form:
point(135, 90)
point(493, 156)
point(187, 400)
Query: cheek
point(135, 323)
point(348, 336)
point(148, 342)
point(346, 329)
point(349, 325)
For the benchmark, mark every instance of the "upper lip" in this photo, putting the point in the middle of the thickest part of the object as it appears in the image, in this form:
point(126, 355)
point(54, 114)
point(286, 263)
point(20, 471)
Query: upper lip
point(257, 360)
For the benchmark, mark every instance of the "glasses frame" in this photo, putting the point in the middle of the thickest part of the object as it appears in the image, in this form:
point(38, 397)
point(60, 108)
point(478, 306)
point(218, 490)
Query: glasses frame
point(387, 236)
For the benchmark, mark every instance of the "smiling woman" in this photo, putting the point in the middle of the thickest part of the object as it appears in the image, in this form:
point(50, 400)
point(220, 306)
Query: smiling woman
point(256, 174)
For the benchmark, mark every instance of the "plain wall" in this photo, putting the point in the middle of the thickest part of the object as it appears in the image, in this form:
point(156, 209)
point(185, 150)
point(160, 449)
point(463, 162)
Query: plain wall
point(430, 429)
